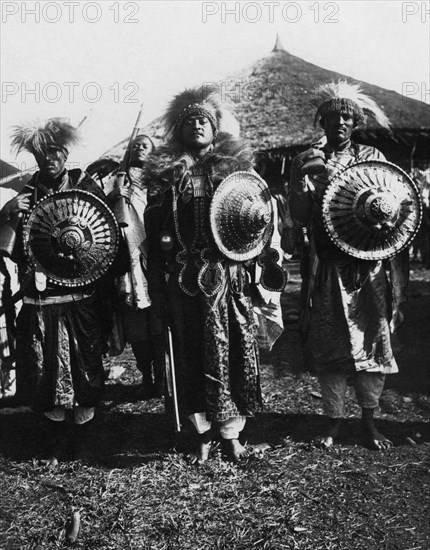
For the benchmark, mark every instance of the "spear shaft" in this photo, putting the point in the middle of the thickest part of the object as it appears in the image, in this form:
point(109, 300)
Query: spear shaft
point(121, 205)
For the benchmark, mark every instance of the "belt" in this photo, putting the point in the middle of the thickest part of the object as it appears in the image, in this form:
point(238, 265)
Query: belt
point(49, 300)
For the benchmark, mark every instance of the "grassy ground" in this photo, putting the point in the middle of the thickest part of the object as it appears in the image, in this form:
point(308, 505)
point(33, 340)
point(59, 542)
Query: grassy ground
point(138, 491)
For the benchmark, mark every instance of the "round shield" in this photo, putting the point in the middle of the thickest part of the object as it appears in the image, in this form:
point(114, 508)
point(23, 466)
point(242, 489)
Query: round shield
point(241, 216)
point(372, 210)
point(71, 236)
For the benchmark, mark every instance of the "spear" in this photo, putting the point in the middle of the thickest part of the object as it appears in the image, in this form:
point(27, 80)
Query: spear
point(121, 206)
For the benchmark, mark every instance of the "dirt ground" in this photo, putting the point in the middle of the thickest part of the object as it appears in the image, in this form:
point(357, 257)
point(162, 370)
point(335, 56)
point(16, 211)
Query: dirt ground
point(137, 491)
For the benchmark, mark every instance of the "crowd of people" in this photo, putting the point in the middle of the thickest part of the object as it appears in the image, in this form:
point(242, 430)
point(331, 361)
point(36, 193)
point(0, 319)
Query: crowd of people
point(170, 271)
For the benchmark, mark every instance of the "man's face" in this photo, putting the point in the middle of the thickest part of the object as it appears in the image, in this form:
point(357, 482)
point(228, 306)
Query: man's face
point(338, 127)
point(197, 132)
point(140, 149)
point(51, 162)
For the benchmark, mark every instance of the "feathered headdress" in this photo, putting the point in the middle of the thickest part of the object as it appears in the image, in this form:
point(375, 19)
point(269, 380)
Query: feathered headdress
point(201, 101)
point(57, 132)
point(345, 96)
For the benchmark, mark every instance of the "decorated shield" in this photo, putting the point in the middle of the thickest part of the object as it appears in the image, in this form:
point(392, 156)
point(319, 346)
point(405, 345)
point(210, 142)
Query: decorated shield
point(71, 236)
point(241, 216)
point(372, 210)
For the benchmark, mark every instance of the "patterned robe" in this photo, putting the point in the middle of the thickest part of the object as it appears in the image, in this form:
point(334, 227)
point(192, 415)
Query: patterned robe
point(348, 303)
point(59, 345)
point(210, 311)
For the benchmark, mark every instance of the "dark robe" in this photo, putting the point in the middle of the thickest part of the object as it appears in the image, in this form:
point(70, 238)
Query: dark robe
point(208, 299)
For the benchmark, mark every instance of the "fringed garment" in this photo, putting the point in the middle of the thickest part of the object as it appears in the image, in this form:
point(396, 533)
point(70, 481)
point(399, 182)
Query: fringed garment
point(210, 311)
point(59, 345)
point(59, 355)
point(348, 303)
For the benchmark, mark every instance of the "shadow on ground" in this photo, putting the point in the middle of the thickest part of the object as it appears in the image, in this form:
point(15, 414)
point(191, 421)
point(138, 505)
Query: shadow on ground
point(123, 440)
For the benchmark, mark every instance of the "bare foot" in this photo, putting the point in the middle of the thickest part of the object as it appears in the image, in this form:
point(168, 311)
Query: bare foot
point(375, 440)
point(326, 441)
point(371, 437)
point(201, 454)
point(235, 450)
point(50, 462)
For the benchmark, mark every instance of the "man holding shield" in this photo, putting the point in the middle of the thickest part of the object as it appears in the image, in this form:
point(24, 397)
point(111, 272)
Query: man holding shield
point(350, 305)
point(207, 294)
point(59, 328)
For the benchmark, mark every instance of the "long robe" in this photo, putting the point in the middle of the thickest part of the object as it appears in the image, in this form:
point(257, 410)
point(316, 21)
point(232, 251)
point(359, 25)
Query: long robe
point(348, 304)
point(210, 310)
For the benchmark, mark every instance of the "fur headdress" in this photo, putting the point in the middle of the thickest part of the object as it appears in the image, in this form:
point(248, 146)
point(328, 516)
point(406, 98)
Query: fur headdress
point(197, 101)
point(345, 96)
point(57, 133)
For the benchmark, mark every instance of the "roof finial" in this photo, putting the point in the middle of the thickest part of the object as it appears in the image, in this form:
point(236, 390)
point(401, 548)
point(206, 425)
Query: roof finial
point(278, 45)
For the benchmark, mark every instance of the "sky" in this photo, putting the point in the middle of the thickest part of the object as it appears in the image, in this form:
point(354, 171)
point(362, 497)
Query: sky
point(103, 59)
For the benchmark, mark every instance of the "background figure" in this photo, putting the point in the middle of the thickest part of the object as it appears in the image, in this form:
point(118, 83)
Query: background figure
point(350, 304)
point(8, 311)
point(207, 296)
point(59, 338)
point(421, 242)
point(142, 323)
point(8, 286)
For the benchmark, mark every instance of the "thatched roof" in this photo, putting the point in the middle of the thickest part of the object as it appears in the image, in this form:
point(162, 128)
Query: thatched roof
point(270, 100)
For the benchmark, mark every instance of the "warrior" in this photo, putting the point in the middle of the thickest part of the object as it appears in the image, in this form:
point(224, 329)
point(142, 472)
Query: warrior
point(206, 294)
point(59, 329)
point(350, 305)
point(143, 328)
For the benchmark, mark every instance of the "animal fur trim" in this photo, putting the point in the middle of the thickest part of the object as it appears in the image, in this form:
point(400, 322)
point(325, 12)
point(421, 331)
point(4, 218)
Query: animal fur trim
point(169, 164)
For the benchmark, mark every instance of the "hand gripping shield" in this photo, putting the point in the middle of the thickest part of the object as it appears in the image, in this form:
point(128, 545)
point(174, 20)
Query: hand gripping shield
point(241, 216)
point(372, 210)
point(72, 237)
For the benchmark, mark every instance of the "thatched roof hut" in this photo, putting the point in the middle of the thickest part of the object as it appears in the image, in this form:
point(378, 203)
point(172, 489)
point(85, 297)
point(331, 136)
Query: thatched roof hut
point(270, 101)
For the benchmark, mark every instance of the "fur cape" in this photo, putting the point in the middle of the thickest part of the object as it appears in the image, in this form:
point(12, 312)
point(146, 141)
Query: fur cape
point(170, 163)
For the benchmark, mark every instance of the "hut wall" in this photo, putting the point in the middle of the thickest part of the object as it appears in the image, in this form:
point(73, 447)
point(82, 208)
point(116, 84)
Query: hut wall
point(409, 150)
